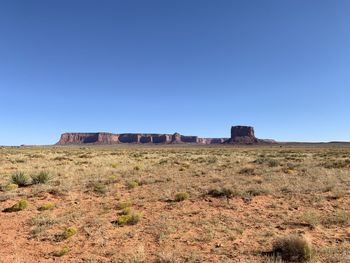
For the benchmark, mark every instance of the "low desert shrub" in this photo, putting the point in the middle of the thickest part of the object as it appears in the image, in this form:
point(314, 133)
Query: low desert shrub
point(132, 184)
point(132, 218)
point(47, 206)
point(273, 163)
point(268, 161)
point(10, 187)
point(19, 206)
point(125, 204)
point(312, 218)
point(247, 171)
point(336, 164)
point(337, 218)
point(293, 248)
point(256, 191)
point(67, 233)
point(181, 196)
point(260, 160)
point(99, 188)
point(225, 191)
point(20, 178)
point(41, 222)
point(61, 252)
point(126, 211)
point(40, 178)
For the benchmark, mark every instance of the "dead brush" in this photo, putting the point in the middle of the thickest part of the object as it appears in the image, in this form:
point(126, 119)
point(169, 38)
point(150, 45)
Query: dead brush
point(227, 192)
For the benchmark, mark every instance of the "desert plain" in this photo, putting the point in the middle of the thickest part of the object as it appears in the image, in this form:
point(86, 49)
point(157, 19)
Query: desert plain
point(177, 203)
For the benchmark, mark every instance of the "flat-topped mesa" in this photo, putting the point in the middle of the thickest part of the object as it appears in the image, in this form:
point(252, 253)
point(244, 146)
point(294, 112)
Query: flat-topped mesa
point(93, 137)
point(243, 134)
point(246, 135)
point(142, 138)
point(239, 135)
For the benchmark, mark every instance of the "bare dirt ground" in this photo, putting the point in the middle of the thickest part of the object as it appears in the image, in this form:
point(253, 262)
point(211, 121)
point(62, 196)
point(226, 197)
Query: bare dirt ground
point(173, 204)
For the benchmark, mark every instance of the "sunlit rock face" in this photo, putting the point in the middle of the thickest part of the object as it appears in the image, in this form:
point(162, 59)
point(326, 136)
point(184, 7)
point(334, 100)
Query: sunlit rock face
point(246, 135)
point(239, 135)
point(110, 138)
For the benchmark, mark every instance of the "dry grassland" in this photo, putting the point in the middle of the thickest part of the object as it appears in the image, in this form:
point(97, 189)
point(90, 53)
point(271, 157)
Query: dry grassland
point(173, 204)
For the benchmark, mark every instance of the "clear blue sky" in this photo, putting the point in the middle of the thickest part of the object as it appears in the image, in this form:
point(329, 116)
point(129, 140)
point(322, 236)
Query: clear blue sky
point(192, 66)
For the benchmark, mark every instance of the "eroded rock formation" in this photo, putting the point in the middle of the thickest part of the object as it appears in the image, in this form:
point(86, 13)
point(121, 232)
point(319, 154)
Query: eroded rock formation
point(239, 135)
point(110, 138)
point(80, 138)
point(246, 135)
point(243, 134)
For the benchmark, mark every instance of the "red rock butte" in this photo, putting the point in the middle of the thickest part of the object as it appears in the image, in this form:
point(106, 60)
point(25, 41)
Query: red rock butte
point(239, 135)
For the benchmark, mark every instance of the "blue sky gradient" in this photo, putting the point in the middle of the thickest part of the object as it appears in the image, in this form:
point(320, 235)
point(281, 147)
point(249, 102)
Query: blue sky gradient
point(189, 66)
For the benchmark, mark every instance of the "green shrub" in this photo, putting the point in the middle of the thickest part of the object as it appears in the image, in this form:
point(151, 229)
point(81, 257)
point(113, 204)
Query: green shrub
point(61, 252)
point(20, 178)
point(293, 248)
point(20, 205)
point(47, 206)
point(67, 233)
point(182, 196)
point(40, 178)
point(10, 187)
point(126, 211)
point(125, 204)
point(129, 219)
point(132, 184)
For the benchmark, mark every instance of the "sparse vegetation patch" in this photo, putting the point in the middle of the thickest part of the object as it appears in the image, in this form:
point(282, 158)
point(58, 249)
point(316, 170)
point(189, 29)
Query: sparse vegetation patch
point(20, 178)
point(18, 206)
point(293, 248)
point(184, 204)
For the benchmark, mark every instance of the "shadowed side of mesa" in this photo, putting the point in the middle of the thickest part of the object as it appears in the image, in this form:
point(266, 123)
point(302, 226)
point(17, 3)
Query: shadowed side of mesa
point(139, 138)
point(239, 135)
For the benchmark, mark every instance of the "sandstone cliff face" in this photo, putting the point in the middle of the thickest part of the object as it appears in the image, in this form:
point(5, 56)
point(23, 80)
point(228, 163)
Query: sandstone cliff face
point(81, 138)
point(176, 138)
point(239, 135)
point(110, 138)
point(129, 138)
point(245, 135)
point(242, 131)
